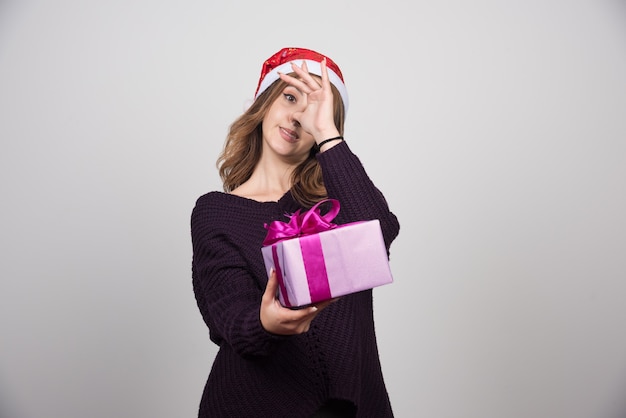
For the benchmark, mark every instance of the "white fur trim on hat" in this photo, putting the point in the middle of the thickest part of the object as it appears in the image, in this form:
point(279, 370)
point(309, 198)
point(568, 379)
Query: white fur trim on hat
point(314, 67)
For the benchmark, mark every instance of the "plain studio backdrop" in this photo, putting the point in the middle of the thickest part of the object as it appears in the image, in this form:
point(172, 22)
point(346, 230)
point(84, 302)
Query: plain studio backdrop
point(496, 129)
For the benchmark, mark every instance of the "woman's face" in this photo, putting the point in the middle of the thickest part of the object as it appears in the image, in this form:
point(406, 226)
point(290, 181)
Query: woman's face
point(282, 133)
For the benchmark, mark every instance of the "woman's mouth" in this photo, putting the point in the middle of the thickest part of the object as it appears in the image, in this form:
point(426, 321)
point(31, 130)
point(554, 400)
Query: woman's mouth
point(289, 135)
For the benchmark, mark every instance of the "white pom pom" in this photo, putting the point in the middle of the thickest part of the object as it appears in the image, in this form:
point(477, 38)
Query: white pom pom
point(247, 104)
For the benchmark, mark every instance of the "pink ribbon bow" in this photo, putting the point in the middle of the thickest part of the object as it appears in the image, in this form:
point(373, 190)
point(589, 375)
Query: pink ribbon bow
point(311, 222)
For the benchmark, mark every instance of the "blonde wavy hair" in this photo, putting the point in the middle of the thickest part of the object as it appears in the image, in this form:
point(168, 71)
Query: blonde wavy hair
point(244, 142)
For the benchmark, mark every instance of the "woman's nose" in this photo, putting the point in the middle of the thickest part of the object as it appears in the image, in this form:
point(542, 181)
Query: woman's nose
point(294, 119)
point(297, 110)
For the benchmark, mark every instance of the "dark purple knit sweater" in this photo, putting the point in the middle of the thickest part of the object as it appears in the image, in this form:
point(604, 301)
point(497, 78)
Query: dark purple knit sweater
point(255, 373)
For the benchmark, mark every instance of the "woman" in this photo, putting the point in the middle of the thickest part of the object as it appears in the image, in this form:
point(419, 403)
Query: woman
point(285, 153)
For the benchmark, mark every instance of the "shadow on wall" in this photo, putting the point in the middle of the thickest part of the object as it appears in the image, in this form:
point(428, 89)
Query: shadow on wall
point(7, 408)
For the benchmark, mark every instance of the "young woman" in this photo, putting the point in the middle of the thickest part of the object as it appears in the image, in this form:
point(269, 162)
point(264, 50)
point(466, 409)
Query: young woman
point(285, 153)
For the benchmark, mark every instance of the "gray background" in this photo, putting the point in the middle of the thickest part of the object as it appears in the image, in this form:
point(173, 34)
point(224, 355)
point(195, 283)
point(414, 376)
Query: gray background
point(496, 130)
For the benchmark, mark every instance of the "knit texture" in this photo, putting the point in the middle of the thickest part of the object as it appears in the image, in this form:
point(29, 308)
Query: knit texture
point(258, 374)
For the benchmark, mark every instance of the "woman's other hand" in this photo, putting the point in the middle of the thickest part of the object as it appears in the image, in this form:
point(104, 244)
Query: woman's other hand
point(279, 320)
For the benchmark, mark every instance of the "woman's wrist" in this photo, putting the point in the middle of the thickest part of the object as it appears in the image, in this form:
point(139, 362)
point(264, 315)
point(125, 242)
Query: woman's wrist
point(329, 143)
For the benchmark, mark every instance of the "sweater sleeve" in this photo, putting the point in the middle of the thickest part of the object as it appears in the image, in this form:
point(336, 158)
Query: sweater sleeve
point(347, 181)
point(228, 296)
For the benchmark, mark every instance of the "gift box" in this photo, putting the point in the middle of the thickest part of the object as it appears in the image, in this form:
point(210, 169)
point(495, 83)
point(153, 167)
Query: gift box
point(316, 260)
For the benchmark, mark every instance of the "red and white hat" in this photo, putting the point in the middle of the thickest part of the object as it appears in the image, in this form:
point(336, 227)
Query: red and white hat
point(281, 62)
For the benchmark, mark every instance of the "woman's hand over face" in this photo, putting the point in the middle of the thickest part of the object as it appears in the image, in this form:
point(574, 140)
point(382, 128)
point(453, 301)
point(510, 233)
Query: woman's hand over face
point(318, 116)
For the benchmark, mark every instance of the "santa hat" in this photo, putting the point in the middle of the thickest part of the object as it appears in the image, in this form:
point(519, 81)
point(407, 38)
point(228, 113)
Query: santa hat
point(281, 62)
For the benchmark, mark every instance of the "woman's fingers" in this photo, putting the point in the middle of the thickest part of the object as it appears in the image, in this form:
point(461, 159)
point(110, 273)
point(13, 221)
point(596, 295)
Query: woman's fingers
point(305, 83)
point(303, 72)
point(277, 319)
point(325, 79)
point(322, 305)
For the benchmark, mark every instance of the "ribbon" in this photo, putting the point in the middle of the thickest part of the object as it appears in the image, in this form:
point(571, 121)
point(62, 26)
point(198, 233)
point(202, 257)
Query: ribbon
point(311, 222)
point(315, 267)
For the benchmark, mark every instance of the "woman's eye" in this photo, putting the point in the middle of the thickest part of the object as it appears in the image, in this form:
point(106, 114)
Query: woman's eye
point(289, 97)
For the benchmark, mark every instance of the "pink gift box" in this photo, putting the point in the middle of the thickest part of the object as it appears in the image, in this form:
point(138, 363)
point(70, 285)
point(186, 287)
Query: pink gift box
point(338, 260)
